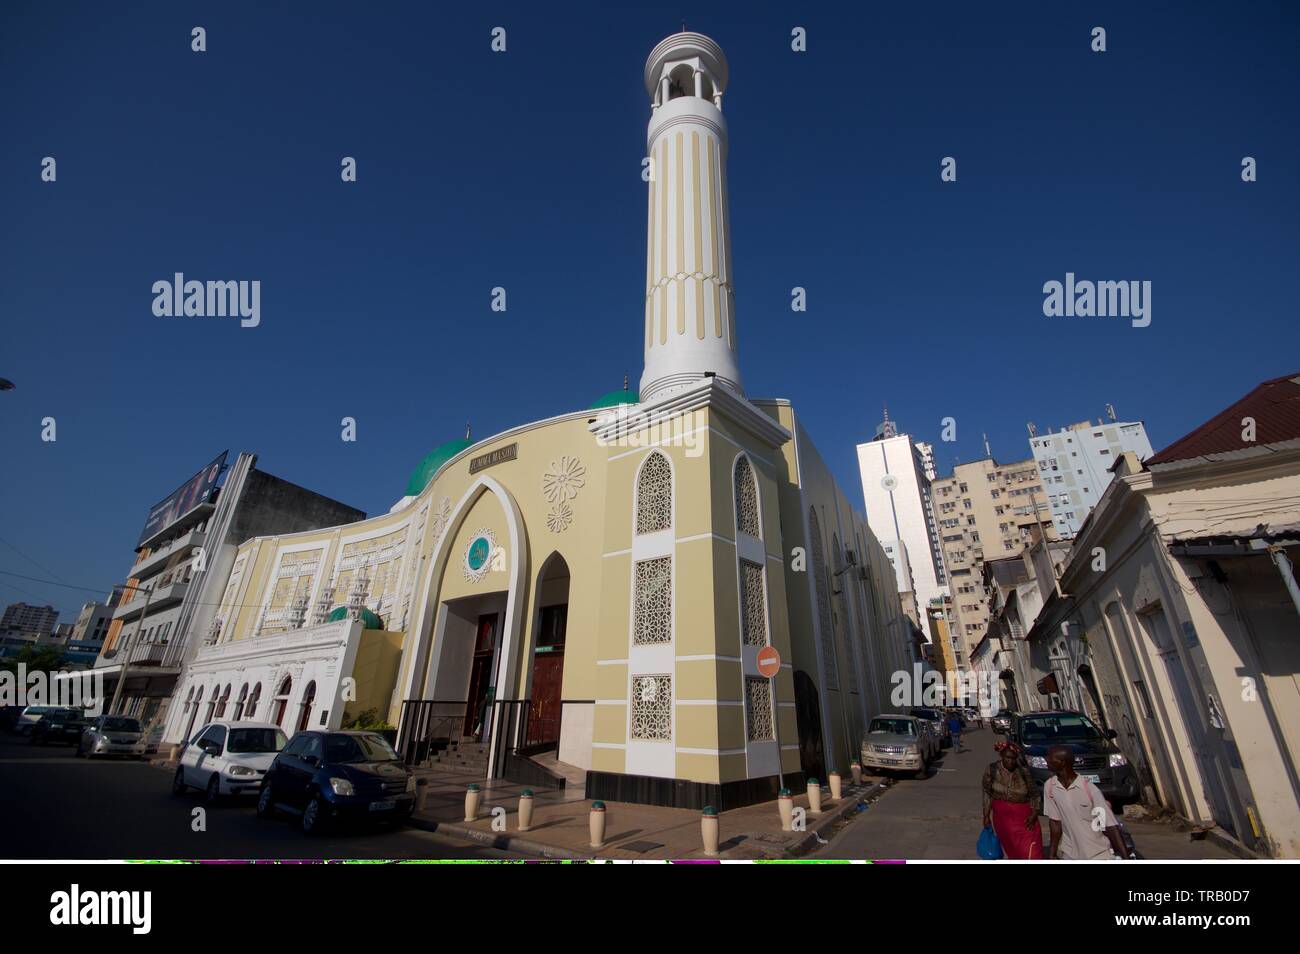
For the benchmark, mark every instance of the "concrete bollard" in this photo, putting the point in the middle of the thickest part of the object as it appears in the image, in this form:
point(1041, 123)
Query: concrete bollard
point(597, 824)
point(526, 810)
point(421, 793)
point(473, 796)
point(856, 770)
point(709, 830)
point(814, 797)
point(837, 786)
point(785, 803)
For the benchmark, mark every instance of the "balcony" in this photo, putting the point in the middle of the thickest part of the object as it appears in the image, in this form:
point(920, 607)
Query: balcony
point(155, 562)
point(163, 597)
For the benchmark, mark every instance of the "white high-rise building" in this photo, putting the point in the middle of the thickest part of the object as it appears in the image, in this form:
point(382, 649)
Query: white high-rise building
point(1075, 464)
point(896, 474)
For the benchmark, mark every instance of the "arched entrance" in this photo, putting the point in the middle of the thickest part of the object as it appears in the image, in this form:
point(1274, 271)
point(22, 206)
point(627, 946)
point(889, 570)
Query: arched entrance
point(547, 678)
point(807, 708)
point(308, 700)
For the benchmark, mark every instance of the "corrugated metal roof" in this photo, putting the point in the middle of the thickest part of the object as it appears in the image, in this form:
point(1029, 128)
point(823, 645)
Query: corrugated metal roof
point(1275, 407)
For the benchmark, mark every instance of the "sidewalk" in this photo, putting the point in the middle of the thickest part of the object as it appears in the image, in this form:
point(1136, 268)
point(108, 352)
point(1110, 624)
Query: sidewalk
point(560, 823)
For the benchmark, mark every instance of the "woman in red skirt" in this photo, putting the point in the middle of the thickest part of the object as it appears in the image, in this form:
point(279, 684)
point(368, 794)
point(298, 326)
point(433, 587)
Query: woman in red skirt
point(1012, 802)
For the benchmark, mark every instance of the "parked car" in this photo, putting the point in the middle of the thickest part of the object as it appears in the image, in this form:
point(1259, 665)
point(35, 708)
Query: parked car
point(110, 735)
point(895, 742)
point(31, 715)
point(938, 720)
point(1096, 756)
point(1002, 721)
point(58, 728)
point(325, 777)
point(228, 758)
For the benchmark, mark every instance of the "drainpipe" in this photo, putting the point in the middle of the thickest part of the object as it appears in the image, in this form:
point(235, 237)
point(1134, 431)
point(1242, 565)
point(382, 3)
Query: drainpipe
point(1284, 567)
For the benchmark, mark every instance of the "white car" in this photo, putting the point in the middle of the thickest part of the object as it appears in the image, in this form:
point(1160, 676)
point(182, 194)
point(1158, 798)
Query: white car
point(228, 758)
point(33, 714)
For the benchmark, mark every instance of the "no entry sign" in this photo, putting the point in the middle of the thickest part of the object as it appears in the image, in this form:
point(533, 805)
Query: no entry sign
point(769, 661)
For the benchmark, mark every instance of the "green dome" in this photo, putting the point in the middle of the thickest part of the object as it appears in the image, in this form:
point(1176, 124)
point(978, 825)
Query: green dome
point(368, 619)
point(615, 398)
point(421, 476)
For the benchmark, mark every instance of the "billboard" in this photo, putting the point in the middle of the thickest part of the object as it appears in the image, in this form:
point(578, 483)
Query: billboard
point(195, 491)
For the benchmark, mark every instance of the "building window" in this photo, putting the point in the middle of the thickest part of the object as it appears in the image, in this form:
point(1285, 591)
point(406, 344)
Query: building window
point(652, 708)
point(758, 709)
point(753, 621)
point(746, 499)
point(251, 711)
point(654, 495)
point(653, 613)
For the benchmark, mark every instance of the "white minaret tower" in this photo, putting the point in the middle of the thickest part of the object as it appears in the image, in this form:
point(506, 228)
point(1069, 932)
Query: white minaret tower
point(690, 329)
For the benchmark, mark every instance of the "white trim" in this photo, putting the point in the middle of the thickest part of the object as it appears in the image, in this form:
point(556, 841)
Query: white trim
point(708, 658)
point(685, 751)
point(710, 702)
point(614, 553)
point(611, 702)
point(611, 662)
point(706, 536)
point(608, 745)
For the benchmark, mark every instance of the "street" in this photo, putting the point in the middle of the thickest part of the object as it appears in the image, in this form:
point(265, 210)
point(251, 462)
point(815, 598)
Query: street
point(939, 817)
point(55, 805)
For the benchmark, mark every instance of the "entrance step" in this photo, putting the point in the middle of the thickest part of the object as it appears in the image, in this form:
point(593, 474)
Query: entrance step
point(462, 757)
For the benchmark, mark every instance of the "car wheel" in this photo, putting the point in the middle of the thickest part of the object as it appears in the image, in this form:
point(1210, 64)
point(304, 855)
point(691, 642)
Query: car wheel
point(265, 803)
point(178, 781)
point(213, 791)
point(313, 816)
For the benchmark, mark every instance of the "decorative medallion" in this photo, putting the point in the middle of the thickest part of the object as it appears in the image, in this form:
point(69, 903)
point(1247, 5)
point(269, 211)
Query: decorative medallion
point(563, 481)
point(889, 482)
point(558, 520)
point(478, 555)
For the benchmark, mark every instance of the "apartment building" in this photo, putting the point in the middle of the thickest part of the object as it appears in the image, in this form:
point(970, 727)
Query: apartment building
point(1075, 465)
point(985, 510)
point(896, 475)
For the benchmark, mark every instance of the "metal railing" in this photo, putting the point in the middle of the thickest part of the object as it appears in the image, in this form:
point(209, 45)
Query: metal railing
point(428, 726)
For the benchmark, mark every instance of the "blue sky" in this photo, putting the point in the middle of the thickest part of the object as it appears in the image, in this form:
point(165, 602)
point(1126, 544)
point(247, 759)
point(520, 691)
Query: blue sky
point(522, 170)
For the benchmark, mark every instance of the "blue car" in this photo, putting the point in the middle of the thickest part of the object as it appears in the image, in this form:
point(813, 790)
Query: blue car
point(326, 777)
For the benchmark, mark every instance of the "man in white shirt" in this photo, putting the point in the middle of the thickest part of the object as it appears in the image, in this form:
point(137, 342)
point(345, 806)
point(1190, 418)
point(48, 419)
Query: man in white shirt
point(1081, 823)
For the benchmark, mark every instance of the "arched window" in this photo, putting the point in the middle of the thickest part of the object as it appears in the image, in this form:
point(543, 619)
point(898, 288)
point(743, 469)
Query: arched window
point(654, 495)
point(305, 707)
point(251, 711)
point(746, 499)
point(192, 704)
point(281, 701)
point(221, 703)
point(240, 702)
point(212, 704)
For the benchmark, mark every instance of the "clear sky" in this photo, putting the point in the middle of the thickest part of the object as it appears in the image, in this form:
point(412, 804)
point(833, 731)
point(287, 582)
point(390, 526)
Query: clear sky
point(522, 170)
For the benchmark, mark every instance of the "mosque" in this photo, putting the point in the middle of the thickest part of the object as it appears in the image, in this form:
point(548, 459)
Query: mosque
point(586, 596)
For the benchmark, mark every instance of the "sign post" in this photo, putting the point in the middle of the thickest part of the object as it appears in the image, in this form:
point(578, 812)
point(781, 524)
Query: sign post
point(769, 664)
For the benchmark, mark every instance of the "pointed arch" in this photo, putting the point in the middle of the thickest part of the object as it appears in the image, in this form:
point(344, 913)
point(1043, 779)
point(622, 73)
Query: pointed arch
point(653, 505)
point(745, 489)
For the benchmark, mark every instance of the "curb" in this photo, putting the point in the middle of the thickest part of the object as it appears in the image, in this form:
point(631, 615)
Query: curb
point(499, 840)
point(504, 841)
point(849, 807)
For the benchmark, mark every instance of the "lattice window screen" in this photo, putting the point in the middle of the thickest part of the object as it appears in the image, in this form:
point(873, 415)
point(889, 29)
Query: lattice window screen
point(746, 499)
point(758, 709)
point(753, 622)
point(653, 611)
point(652, 708)
point(654, 495)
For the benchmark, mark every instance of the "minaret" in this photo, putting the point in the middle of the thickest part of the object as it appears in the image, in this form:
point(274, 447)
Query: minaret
point(690, 330)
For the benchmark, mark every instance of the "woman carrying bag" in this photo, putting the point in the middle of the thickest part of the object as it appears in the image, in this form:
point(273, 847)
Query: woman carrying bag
point(1012, 803)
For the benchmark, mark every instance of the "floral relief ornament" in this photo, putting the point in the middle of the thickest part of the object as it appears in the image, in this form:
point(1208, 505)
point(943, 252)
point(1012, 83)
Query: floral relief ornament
point(558, 520)
point(563, 481)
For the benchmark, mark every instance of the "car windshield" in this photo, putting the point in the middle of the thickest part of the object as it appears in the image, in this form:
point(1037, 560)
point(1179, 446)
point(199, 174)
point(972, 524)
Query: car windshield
point(892, 727)
point(932, 714)
point(1058, 728)
point(255, 740)
point(121, 725)
point(358, 748)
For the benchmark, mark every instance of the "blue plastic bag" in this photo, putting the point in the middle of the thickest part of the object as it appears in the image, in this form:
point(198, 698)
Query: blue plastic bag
point(988, 847)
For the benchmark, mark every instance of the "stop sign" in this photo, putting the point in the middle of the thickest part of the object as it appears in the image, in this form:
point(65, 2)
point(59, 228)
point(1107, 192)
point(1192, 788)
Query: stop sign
point(769, 661)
